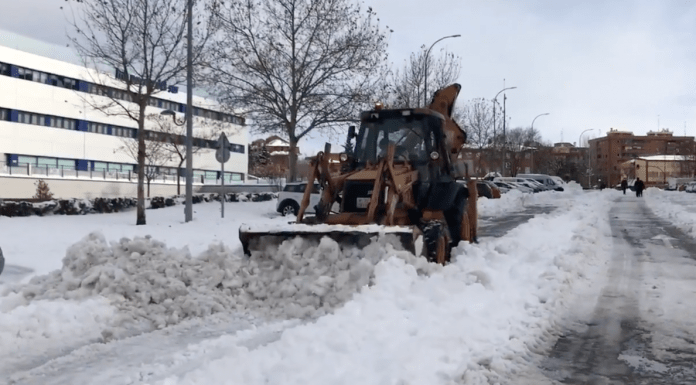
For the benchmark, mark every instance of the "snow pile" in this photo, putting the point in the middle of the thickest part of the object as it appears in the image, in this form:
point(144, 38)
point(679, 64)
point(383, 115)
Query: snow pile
point(478, 320)
point(672, 206)
point(153, 286)
point(50, 327)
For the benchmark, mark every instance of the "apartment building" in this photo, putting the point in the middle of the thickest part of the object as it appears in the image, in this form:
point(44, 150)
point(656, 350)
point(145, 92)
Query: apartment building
point(609, 153)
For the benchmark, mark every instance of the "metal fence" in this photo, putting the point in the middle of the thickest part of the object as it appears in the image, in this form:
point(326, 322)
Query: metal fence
point(71, 173)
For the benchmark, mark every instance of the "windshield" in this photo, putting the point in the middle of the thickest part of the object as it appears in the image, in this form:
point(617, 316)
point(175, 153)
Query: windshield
point(412, 136)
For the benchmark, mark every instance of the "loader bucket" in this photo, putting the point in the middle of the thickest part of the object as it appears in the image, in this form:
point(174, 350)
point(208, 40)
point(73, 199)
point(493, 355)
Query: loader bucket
point(259, 238)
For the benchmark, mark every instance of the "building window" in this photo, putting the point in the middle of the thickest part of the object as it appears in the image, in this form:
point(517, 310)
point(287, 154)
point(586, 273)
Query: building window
point(47, 162)
point(66, 164)
point(4, 114)
point(4, 69)
point(24, 160)
point(99, 166)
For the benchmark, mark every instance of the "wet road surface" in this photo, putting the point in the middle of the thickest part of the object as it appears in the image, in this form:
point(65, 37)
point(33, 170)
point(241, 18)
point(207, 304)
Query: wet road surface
point(620, 342)
point(499, 226)
point(13, 274)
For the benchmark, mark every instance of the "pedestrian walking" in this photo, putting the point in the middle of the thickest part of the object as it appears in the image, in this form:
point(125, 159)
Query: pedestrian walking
point(639, 186)
point(624, 186)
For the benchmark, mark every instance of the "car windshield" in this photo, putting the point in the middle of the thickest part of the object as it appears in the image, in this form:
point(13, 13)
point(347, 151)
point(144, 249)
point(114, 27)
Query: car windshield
point(412, 135)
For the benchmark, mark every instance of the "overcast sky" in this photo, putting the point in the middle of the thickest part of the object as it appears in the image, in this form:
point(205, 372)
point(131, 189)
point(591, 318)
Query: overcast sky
point(589, 64)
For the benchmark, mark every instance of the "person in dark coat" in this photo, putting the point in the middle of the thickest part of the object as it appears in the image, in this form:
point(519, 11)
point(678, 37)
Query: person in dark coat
point(639, 186)
point(624, 186)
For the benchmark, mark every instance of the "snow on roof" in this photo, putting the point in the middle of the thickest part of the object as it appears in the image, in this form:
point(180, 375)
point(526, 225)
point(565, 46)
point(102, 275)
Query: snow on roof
point(278, 142)
point(671, 158)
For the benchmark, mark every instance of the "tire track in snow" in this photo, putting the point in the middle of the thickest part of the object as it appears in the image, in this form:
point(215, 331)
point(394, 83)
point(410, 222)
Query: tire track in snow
point(616, 345)
point(154, 356)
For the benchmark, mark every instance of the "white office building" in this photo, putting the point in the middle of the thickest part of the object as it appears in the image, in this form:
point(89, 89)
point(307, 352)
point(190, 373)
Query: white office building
point(48, 131)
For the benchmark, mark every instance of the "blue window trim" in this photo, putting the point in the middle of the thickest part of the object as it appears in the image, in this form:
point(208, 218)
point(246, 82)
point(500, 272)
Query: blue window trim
point(84, 86)
point(82, 165)
point(83, 126)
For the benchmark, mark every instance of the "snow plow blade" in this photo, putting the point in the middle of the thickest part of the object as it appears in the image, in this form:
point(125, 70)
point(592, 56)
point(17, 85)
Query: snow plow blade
point(259, 238)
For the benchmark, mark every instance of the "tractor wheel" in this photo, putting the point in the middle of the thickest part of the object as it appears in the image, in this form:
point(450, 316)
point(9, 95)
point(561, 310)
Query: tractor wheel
point(436, 242)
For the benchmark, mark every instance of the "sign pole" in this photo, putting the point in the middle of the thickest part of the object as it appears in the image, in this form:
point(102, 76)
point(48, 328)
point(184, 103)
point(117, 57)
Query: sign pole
point(222, 155)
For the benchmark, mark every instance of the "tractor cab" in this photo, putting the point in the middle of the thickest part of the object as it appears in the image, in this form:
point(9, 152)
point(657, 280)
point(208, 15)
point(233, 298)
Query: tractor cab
point(416, 135)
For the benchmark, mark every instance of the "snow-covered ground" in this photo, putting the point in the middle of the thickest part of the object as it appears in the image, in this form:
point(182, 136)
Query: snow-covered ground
point(109, 302)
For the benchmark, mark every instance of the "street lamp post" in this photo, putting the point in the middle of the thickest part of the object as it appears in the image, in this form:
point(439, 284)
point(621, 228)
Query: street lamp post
point(425, 88)
point(588, 156)
point(188, 117)
point(494, 133)
point(188, 211)
point(546, 113)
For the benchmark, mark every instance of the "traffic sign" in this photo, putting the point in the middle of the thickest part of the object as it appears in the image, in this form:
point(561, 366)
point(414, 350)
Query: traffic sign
point(223, 152)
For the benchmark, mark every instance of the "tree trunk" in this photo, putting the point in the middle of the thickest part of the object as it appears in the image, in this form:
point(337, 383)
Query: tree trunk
point(292, 160)
point(141, 166)
point(178, 177)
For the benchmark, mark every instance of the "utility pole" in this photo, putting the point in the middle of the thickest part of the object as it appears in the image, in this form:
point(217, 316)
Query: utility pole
point(504, 136)
point(495, 138)
point(188, 210)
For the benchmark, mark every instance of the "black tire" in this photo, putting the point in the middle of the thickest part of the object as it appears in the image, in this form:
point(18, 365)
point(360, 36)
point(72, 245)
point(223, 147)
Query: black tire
point(436, 245)
point(289, 207)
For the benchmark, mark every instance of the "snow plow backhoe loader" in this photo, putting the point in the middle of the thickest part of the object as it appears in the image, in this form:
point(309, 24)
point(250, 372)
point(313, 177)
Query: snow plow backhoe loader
point(399, 181)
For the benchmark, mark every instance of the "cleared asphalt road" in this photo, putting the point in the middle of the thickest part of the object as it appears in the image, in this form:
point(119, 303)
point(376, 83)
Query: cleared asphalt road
point(632, 336)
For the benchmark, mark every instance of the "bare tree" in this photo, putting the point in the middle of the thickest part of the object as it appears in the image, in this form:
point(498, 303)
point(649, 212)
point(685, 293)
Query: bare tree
point(517, 140)
point(477, 116)
point(406, 86)
point(297, 65)
point(155, 154)
point(143, 42)
point(175, 139)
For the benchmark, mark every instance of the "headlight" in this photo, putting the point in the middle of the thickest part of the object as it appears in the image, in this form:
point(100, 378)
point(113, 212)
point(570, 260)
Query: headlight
point(343, 157)
point(434, 155)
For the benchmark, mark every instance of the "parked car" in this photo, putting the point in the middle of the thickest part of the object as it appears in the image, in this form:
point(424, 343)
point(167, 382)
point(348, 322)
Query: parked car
point(494, 189)
point(519, 183)
point(690, 187)
point(559, 182)
point(550, 182)
point(503, 187)
point(289, 199)
point(520, 187)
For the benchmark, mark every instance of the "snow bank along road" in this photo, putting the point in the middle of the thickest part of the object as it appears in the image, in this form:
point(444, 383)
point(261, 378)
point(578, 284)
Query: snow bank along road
point(133, 310)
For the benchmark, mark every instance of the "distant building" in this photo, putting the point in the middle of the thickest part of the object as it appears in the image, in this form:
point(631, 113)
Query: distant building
point(277, 150)
point(609, 154)
point(655, 170)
